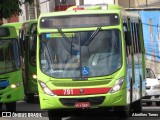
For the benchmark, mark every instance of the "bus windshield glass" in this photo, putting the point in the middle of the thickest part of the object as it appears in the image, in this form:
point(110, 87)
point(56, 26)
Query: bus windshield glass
point(32, 44)
point(80, 56)
point(9, 55)
point(79, 21)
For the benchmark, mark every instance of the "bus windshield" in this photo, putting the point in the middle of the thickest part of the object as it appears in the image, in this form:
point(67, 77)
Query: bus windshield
point(9, 55)
point(80, 54)
point(32, 44)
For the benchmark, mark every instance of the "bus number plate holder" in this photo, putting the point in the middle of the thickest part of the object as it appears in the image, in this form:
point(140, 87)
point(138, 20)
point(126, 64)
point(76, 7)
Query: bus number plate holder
point(82, 104)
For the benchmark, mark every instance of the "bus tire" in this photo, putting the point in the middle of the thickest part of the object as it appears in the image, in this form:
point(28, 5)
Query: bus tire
point(11, 107)
point(123, 111)
point(158, 103)
point(53, 115)
point(1, 106)
point(30, 97)
point(137, 106)
point(149, 103)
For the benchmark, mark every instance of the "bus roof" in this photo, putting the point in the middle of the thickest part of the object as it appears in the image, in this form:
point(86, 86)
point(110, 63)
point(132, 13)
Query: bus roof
point(17, 25)
point(28, 23)
point(32, 21)
point(89, 9)
point(96, 7)
point(7, 32)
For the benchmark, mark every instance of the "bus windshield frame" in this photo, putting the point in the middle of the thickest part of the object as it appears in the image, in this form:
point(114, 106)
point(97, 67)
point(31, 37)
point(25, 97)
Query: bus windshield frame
point(33, 44)
point(60, 59)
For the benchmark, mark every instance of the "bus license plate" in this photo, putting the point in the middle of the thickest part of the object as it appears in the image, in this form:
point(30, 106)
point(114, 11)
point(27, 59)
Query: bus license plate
point(82, 104)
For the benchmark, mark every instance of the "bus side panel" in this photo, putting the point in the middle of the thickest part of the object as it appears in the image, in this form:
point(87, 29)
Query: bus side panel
point(9, 94)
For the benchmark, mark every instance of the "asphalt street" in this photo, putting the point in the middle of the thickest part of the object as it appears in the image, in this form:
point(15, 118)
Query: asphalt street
point(148, 113)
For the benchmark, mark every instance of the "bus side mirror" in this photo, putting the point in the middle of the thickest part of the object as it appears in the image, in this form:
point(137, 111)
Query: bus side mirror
point(159, 78)
point(128, 38)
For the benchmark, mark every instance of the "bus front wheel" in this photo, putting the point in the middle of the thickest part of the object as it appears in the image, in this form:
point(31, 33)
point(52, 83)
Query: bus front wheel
point(149, 103)
point(158, 103)
point(137, 106)
point(53, 115)
point(30, 97)
point(11, 107)
point(1, 106)
point(123, 111)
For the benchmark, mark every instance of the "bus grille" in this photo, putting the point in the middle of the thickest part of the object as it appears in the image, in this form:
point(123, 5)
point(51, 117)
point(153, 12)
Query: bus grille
point(72, 101)
point(80, 83)
point(1, 88)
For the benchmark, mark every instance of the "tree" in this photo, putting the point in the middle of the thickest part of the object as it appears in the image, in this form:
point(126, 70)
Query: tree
point(9, 8)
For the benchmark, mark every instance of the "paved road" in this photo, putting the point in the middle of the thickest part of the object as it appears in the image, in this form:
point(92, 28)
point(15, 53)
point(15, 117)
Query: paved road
point(34, 107)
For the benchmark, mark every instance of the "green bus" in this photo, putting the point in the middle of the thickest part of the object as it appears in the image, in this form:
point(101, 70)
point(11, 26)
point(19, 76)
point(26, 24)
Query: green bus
point(28, 39)
point(90, 57)
point(17, 25)
point(11, 82)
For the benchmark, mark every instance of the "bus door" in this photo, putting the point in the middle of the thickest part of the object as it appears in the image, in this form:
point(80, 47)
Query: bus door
point(32, 44)
point(129, 61)
point(137, 59)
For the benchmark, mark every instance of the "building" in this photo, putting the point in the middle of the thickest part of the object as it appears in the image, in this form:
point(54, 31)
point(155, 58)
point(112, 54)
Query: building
point(139, 3)
point(44, 6)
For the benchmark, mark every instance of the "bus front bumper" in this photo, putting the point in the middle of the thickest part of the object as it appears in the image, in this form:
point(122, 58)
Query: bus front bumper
point(96, 101)
point(11, 95)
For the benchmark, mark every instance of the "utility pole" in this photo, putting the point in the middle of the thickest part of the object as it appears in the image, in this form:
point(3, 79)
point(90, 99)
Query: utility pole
point(37, 8)
point(26, 10)
point(79, 2)
point(146, 3)
point(32, 11)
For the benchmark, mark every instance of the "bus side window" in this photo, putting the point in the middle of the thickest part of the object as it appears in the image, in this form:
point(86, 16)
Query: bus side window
point(127, 35)
point(138, 37)
point(136, 40)
point(126, 30)
point(1, 55)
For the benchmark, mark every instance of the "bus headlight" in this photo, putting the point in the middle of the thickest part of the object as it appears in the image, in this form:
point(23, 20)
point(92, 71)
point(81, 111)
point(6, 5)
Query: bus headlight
point(117, 85)
point(34, 76)
point(13, 86)
point(18, 84)
point(46, 90)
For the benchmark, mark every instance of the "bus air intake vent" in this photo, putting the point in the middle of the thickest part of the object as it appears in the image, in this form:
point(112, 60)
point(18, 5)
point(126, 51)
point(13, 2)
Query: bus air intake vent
point(72, 101)
point(80, 83)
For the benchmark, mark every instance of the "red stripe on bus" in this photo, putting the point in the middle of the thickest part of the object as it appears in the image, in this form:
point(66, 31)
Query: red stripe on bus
point(80, 91)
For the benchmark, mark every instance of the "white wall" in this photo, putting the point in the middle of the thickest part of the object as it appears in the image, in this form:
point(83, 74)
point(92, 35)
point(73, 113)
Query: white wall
point(44, 7)
point(98, 1)
point(22, 17)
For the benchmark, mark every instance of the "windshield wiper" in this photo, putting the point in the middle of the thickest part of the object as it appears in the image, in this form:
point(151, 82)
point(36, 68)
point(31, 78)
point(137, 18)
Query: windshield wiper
point(64, 36)
point(92, 36)
point(48, 52)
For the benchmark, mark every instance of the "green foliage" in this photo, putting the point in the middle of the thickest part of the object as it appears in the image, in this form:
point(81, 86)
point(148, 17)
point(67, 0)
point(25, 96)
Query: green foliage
point(8, 8)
